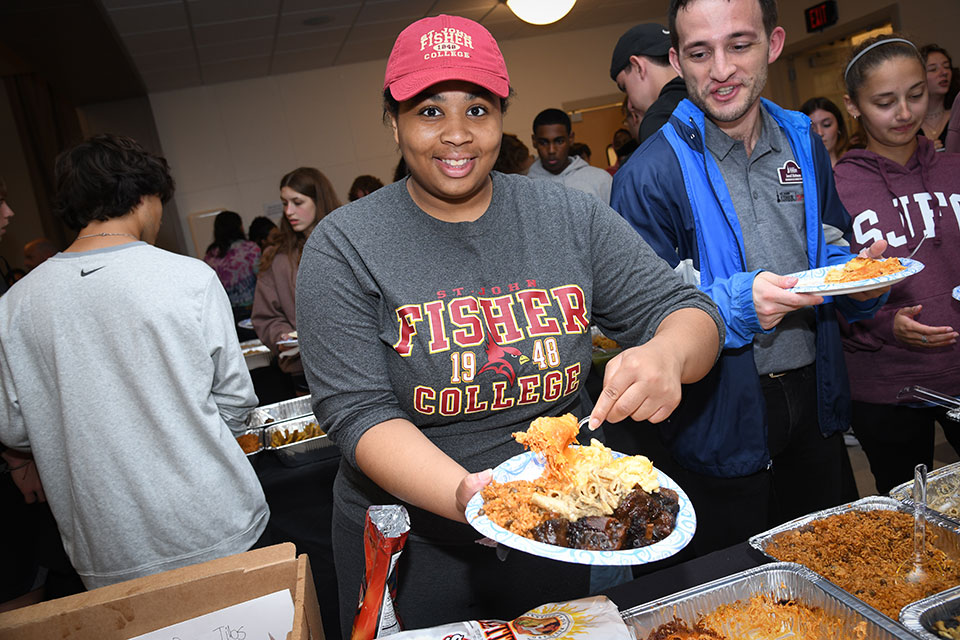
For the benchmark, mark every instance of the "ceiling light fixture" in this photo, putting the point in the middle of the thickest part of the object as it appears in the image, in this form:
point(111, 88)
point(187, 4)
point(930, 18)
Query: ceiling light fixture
point(540, 11)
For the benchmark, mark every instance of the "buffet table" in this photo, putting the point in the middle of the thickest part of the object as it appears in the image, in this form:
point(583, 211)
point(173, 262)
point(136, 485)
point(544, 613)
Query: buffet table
point(684, 575)
point(301, 510)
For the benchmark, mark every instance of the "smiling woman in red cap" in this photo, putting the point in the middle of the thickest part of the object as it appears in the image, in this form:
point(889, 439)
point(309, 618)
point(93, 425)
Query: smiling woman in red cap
point(447, 310)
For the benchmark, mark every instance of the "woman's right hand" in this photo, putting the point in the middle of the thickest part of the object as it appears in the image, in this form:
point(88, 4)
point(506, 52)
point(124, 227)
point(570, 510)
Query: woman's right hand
point(916, 334)
point(285, 347)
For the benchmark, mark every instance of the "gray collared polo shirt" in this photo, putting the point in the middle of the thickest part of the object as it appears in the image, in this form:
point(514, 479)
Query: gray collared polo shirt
point(767, 193)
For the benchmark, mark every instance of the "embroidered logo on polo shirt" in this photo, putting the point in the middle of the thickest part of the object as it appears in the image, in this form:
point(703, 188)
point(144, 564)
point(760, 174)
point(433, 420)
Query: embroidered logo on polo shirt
point(789, 196)
point(789, 173)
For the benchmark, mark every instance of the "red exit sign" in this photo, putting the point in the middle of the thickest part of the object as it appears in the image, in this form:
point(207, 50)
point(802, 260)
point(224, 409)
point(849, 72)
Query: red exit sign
point(821, 15)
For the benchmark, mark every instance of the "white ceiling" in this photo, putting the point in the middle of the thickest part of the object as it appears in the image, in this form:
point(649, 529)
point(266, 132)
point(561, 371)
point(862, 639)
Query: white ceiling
point(185, 43)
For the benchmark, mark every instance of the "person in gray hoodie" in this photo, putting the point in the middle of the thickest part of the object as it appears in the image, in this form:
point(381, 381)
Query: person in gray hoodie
point(552, 138)
point(120, 371)
point(901, 190)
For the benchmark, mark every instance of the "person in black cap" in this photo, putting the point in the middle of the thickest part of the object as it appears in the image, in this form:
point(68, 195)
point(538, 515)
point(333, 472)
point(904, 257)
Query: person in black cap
point(641, 68)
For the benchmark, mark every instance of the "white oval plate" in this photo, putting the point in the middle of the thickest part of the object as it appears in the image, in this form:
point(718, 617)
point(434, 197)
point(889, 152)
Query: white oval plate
point(527, 466)
point(246, 323)
point(956, 293)
point(811, 281)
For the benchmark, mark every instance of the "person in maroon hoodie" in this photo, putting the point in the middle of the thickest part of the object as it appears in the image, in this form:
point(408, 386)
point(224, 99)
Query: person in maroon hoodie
point(899, 189)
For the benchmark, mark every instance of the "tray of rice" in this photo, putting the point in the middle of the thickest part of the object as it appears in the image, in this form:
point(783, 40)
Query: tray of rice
point(280, 411)
point(935, 617)
point(298, 441)
point(943, 492)
point(778, 600)
point(866, 548)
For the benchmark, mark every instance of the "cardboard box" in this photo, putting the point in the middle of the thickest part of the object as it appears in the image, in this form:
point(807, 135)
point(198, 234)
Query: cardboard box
point(135, 607)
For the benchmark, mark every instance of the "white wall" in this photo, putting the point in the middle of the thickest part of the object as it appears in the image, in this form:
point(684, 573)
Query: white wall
point(229, 144)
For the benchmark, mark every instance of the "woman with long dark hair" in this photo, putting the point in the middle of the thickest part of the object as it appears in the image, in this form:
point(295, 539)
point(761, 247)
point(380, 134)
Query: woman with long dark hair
point(307, 197)
point(942, 87)
point(234, 258)
point(827, 122)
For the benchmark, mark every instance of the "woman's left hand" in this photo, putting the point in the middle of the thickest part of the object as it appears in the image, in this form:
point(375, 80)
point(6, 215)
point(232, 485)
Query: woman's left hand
point(470, 485)
point(641, 382)
point(916, 334)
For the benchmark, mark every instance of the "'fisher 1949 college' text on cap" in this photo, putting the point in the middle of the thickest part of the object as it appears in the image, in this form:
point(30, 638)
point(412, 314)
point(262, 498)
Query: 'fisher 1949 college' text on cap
point(444, 48)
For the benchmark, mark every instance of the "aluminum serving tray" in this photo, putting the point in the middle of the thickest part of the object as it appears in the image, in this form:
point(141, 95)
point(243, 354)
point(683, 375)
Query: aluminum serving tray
point(297, 453)
point(280, 411)
point(781, 580)
point(921, 615)
point(943, 492)
point(948, 539)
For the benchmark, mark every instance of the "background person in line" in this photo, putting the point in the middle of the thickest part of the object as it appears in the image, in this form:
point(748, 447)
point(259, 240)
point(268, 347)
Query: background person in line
point(732, 192)
point(5, 214)
point(640, 66)
point(307, 196)
point(363, 185)
point(457, 233)
point(913, 339)
point(828, 123)
point(942, 88)
point(552, 138)
point(235, 259)
point(121, 373)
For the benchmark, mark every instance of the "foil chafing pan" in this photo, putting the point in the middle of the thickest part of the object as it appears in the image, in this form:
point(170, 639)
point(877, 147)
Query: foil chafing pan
point(943, 492)
point(300, 452)
point(947, 540)
point(280, 412)
point(920, 616)
point(782, 581)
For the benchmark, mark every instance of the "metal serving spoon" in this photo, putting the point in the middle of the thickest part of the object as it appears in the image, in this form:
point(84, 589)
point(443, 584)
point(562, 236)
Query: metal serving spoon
point(917, 573)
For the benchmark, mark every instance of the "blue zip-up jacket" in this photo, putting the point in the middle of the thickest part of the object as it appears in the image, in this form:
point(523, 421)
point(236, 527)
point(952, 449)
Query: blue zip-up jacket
point(674, 195)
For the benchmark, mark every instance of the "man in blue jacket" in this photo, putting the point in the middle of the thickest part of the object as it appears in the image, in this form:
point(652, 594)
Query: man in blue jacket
point(733, 191)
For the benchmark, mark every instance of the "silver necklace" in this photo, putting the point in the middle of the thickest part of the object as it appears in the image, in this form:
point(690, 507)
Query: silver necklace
point(95, 235)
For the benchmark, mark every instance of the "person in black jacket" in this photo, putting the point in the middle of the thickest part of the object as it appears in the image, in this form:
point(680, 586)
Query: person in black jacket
point(641, 68)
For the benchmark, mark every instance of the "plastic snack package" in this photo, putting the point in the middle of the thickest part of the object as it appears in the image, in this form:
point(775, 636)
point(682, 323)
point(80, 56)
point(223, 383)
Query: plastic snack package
point(593, 617)
point(384, 535)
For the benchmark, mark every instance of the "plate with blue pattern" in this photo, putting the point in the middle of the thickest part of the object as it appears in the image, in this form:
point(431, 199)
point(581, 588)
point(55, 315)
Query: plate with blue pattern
point(529, 466)
point(811, 281)
point(956, 293)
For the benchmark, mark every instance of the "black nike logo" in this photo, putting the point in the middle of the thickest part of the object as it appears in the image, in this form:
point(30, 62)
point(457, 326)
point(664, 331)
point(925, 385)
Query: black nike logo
point(84, 274)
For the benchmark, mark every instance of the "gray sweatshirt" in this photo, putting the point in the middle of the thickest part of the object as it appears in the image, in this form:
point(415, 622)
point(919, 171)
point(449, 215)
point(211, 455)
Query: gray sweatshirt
point(122, 373)
point(468, 330)
point(577, 175)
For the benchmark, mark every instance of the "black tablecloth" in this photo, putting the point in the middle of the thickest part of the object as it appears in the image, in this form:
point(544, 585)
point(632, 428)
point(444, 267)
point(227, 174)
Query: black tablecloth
point(301, 511)
point(684, 575)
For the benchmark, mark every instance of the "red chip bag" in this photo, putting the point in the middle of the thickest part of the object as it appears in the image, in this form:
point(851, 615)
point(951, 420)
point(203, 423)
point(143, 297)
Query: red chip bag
point(384, 535)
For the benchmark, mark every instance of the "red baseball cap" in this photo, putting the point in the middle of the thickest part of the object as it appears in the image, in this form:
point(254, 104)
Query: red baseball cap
point(442, 48)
